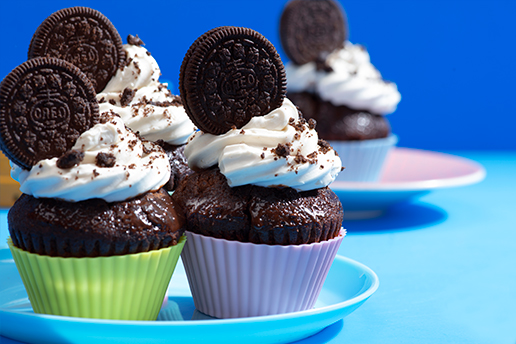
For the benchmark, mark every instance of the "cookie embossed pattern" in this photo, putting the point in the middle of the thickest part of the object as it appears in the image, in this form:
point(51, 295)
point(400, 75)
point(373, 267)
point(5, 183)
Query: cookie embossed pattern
point(227, 79)
point(83, 37)
point(59, 107)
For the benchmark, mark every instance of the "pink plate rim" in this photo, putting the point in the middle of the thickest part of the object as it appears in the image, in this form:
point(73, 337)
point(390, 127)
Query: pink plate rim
point(462, 171)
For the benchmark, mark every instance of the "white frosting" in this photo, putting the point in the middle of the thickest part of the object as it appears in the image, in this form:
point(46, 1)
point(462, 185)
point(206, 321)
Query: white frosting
point(245, 156)
point(134, 172)
point(169, 123)
point(354, 81)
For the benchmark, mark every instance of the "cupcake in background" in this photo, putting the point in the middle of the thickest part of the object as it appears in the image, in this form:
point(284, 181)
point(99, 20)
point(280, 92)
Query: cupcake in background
point(126, 78)
point(93, 234)
point(333, 81)
point(263, 227)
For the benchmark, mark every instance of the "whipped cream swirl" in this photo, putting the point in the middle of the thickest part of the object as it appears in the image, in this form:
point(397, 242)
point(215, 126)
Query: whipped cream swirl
point(147, 106)
point(354, 81)
point(275, 150)
point(138, 167)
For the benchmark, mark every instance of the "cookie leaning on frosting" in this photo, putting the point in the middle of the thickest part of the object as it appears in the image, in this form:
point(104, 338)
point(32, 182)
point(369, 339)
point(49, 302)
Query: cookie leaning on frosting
point(92, 199)
point(259, 191)
point(126, 78)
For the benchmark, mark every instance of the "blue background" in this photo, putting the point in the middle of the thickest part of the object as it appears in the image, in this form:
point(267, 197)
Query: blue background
point(453, 61)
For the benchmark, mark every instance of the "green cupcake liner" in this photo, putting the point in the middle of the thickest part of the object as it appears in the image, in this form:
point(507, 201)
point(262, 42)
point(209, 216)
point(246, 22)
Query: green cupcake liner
point(128, 287)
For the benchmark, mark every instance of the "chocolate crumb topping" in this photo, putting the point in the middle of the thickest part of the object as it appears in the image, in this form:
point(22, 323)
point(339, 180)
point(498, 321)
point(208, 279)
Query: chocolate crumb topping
point(70, 159)
point(282, 150)
point(324, 146)
point(105, 160)
point(134, 40)
point(137, 66)
point(300, 158)
point(112, 102)
point(127, 96)
point(176, 101)
point(311, 124)
point(262, 155)
point(102, 100)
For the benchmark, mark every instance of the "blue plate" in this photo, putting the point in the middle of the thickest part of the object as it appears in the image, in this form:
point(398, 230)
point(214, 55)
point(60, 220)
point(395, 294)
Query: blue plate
point(347, 286)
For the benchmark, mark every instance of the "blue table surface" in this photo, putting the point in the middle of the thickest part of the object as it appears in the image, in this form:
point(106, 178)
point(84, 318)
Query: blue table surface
point(446, 264)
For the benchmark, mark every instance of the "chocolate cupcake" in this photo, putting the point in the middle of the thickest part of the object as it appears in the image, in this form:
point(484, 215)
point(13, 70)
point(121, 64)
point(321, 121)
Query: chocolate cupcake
point(128, 79)
point(259, 191)
point(92, 199)
point(334, 82)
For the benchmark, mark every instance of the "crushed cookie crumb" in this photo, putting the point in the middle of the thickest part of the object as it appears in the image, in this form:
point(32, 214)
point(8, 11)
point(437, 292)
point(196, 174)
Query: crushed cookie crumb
point(105, 160)
point(324, 146)
point(282, 150)
point(69, 159)
point(112, 102)
point(262, 155)
point(311, 124)
point(127, 96)
point(134, 40)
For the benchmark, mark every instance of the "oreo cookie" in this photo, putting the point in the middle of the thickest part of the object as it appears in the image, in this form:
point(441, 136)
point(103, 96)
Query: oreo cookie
point(228, 76)
point(83, 37)
point(45, 105)
point(312, 29)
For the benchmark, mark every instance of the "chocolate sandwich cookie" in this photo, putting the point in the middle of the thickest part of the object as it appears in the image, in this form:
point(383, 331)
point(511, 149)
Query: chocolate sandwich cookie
point(83, 37)
point(45, 105)
point(228, 76)
point(312, 29)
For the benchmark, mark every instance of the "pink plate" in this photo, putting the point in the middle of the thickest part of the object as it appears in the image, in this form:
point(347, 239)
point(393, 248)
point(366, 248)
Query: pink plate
point(408, 173)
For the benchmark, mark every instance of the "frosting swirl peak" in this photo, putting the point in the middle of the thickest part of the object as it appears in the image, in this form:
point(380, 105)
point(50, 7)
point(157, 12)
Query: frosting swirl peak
point(145, 104)
point(276, 150)
point(115, 166)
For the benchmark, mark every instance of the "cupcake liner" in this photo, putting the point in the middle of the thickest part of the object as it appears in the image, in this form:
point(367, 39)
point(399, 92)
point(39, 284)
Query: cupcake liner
point(363, 160)
point(231, 279)
point(127, 287)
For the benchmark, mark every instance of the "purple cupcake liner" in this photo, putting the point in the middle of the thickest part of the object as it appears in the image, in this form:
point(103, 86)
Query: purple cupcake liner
point(231, 279)
point(363, 160)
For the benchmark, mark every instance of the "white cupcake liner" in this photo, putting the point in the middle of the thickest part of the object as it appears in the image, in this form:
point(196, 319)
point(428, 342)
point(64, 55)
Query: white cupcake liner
point(231, 279)
point(363, 160)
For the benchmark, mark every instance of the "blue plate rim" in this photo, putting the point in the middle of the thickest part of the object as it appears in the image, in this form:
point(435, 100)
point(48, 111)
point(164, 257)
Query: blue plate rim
point(364, 295)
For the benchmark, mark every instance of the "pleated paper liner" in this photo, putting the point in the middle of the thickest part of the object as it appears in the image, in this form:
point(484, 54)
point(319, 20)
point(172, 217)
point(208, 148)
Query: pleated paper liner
point(231, 279)
point(127, 287)
point(363, 160)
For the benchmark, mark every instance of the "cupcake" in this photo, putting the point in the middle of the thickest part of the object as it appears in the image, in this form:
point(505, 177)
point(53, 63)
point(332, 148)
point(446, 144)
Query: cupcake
point(333, 81)
point(93, 234)
point(263, 227)
point(126, 78)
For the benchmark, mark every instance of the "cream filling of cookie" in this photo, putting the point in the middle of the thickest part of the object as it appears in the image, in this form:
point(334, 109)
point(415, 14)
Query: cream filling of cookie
point(275, 150)
point(115, 166)
point(146, 105)
point(354, 81)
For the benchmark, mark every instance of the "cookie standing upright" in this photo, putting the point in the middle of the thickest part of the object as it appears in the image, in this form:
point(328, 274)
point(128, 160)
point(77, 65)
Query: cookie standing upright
point(84, 37)
point(45, 104)
point(230, 75)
